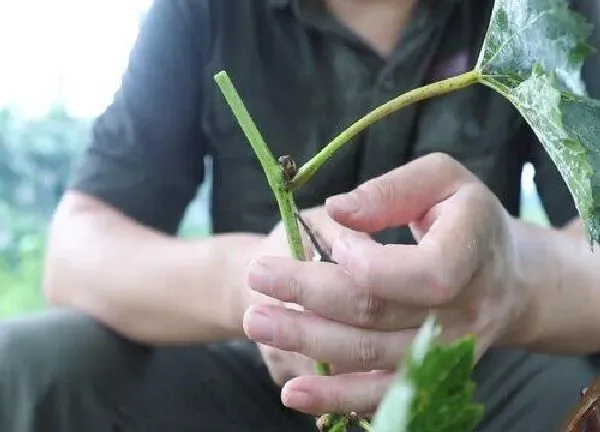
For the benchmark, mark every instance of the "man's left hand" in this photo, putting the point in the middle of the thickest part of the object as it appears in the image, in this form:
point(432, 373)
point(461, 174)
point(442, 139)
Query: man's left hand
point(363, 312)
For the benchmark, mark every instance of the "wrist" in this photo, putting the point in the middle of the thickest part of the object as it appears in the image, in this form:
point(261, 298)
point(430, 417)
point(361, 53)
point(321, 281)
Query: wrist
point(553, 272)
point(224, 269)
point(536, 276)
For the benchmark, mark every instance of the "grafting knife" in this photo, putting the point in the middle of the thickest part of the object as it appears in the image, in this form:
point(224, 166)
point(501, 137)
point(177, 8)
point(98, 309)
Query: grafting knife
point(324, 256)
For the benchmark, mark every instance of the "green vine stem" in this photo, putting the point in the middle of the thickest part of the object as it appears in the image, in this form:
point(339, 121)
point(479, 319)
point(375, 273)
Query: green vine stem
point(271, 167)
point(428, 91)
point(276, 176)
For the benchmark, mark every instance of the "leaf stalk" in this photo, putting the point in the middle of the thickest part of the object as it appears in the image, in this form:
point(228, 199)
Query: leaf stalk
point(428, 91)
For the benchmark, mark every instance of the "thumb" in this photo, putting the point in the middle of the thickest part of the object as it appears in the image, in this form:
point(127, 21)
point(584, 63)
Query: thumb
point(401, 196)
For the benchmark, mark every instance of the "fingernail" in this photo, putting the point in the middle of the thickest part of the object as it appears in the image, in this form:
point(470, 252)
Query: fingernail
point(260, 277)
point(259, 326)
point(345, 203)
point(296, 398)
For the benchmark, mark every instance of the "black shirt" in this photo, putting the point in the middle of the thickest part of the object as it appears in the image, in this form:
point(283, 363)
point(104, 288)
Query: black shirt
point(304, 77)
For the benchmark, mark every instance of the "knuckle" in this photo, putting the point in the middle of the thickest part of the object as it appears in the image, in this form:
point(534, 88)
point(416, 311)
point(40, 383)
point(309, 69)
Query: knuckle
point(339, 400)
point(293, 289)
point(367, 309)
point(288, 335)
point(378, 191)
point(363, 272)
point(440, 280)
point(476, 192)
point(369, 353)
point(439, 289)
point(333, 399)
point(441, 160)
point(306, 343)
point(442, 286)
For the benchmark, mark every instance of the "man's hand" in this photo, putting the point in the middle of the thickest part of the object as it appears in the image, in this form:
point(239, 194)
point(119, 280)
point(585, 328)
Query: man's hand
point(285, 365)
point(363, 313)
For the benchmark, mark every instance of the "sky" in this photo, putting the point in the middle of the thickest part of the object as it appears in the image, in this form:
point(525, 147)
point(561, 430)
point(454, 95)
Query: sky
point(83, 44)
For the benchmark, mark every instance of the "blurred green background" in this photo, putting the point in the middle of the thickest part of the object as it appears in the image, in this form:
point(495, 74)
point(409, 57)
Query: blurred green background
point(36, 157)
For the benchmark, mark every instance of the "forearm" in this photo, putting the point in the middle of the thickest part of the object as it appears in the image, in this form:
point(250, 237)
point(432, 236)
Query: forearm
point(145, 285)
point(561, 270)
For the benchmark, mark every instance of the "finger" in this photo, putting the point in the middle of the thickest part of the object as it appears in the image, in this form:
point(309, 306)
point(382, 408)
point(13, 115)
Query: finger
point(432, 273)
point(325, 340)
point(324, 228)
point(401, 196)
point(284, 365)
point(330, 292)
point(358, 392)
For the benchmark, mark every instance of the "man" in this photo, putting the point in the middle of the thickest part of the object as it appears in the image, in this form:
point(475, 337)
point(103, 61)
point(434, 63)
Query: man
point(305, 70)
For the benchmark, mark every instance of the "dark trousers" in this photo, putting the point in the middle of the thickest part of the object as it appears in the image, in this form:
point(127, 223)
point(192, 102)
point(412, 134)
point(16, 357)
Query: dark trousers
point(62, 372)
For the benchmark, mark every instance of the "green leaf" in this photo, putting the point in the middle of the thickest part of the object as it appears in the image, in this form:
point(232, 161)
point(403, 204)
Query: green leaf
point(443, 400)
point(526, 33)
point(569, 128)
point(433, 389)
point(532, 54)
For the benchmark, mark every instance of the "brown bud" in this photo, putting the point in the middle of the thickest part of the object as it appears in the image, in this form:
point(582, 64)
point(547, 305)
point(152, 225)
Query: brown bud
point(288, 165)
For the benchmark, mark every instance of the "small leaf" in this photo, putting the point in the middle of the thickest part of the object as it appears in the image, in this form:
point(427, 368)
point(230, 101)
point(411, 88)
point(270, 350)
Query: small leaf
point(444, 395)
point(532, 54)
point(433, 389)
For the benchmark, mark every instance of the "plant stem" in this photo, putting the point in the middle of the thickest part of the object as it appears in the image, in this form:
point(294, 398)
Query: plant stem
point(426, 92)
point(272, 169)
point(323, 369)
point(285, 201)
point(275, 177)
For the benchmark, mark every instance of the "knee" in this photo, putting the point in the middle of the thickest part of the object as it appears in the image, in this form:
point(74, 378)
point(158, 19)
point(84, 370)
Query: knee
point(20, 347)
point(529, 392)
point(23, 376)
point(57, 345)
